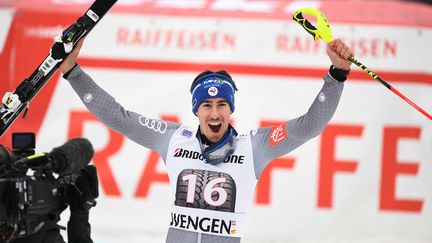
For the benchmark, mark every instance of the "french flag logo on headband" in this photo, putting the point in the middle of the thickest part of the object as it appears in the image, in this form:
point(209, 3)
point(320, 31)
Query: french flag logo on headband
point(213, 91)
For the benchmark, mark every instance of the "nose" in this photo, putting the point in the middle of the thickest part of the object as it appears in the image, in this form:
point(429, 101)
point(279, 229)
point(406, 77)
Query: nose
point(214, 113)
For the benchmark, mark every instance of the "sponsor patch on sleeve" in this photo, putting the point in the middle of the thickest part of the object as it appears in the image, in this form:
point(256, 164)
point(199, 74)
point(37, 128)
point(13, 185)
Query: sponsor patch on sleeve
point(277, 134)
point(186, 133)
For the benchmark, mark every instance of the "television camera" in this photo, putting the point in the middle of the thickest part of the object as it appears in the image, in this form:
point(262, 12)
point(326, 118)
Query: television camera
point(35, 187)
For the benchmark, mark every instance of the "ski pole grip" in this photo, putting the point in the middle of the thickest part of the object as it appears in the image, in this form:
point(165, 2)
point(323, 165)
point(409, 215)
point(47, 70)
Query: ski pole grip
point(322, 29)
point(298, 17)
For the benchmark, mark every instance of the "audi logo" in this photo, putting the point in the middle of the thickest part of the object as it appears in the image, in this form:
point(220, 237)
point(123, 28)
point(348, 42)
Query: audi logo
point(155, 125)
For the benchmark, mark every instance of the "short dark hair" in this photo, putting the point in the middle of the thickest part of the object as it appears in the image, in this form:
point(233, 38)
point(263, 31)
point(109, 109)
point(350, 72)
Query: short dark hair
point(222, 73)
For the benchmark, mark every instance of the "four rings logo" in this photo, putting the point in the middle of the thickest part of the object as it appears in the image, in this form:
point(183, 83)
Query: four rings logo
point(155, 125)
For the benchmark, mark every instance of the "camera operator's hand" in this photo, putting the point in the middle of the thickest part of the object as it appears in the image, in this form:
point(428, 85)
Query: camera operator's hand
point(81, 188)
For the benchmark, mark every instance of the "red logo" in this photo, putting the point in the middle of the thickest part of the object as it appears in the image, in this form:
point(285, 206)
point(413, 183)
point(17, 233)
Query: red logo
point(278, 134)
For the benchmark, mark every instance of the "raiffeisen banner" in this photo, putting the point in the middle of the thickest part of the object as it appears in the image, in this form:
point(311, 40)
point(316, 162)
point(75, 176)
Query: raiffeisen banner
point(366, 178)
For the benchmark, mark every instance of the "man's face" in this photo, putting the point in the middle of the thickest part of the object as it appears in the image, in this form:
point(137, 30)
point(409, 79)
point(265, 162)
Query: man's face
point(214, 115)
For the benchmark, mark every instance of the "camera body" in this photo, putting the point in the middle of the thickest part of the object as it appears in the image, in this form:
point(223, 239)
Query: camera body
point(28, 194)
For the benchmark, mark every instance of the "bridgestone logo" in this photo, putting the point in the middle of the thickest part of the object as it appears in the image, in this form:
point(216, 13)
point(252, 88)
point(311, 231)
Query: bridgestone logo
point(204, 224)
point(184, 153)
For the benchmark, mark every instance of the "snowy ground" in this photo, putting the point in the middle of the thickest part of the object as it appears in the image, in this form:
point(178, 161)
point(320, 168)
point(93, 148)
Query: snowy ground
point(113, 236)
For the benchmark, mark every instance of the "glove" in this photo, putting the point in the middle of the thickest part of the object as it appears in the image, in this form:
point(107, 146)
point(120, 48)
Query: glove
point(81, 188)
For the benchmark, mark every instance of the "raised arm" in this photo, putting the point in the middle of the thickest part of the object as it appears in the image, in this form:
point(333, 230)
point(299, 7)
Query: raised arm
point(272, 142)
point(150, 133)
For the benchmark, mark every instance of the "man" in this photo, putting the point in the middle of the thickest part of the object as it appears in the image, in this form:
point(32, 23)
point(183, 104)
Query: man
point(212, 170)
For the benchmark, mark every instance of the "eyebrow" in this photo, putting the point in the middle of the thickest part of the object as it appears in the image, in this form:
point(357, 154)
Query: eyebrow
point(218, 102)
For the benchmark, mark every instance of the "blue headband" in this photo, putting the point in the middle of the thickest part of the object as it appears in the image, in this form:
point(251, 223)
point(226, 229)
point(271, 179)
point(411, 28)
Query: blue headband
point(213, 85)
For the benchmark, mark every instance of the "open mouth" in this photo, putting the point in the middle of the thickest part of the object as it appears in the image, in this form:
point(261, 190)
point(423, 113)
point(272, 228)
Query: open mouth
point(215, 127)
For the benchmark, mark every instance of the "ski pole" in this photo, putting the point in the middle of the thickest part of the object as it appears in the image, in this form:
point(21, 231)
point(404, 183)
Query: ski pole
point(323, 31)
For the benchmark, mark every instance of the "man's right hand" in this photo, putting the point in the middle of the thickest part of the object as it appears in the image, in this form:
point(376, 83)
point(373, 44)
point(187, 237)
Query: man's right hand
point(71, 59)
